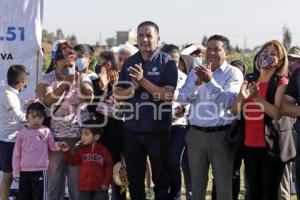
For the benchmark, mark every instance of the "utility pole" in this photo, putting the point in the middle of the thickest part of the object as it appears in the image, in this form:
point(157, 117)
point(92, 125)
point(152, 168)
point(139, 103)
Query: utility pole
point(100, 39)
point(245, 42)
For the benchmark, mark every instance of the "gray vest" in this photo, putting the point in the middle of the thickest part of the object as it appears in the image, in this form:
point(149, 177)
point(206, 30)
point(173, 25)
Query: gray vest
point(297, 123)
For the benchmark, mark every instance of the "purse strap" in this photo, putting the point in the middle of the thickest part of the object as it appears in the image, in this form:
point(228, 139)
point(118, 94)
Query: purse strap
point(63, 99)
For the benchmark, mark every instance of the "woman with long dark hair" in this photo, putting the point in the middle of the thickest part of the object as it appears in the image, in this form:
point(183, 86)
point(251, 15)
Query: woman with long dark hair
point(69, 90)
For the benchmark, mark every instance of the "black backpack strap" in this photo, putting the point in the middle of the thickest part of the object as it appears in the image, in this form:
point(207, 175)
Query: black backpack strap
point(271, 91)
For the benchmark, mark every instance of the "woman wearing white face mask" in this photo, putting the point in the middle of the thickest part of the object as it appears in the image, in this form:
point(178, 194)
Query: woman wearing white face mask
point(84, 58)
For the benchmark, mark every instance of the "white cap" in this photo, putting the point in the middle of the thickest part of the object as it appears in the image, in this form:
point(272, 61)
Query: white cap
point(190, 49)
point(115, 49)
point(128, 47)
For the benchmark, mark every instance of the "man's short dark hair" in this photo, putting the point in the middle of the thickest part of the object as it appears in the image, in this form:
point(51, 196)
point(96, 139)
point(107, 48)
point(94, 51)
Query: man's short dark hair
point(169, 48)
point(241, 65)
point(93, 126)
point(221, 38)
point(149, 23)
point(16, 74)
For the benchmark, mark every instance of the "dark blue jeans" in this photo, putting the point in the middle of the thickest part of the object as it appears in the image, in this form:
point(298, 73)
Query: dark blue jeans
point(175, 154)
point(136, 147)
point(113, 139)
point(263, 173)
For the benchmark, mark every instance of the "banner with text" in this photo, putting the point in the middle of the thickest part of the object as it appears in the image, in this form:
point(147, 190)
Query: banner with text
point(20, 40)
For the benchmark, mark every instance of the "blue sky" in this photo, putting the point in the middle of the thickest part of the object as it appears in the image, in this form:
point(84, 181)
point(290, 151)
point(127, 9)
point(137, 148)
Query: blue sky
point(249, 23)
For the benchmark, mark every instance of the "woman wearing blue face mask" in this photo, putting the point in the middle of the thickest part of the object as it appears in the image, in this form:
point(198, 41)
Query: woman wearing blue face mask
point(260, 97)
point(84, 58)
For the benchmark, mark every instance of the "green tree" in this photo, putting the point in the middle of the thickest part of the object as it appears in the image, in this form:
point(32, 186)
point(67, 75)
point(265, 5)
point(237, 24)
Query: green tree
point(111, 42)
point(47, 37)
point(287, 38)
point(44, 35)
point(59, 34)
point(50, 37)
point(72, 39)
point(245, 57)
point(237, 49)
point(46, 62)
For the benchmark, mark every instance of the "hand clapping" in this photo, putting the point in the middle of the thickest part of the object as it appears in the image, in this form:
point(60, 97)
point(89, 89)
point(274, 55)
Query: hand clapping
point(136, 72)
point(204, 74)
point(249, 90)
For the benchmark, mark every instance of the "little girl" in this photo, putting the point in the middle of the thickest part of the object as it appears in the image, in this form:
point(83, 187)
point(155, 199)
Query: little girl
point(30, 156)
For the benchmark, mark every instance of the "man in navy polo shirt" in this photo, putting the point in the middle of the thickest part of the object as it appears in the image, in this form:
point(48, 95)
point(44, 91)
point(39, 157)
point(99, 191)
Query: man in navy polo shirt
point(147, 83)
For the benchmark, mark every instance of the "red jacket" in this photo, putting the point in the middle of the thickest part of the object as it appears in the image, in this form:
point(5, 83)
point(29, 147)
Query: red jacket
point(96, 166)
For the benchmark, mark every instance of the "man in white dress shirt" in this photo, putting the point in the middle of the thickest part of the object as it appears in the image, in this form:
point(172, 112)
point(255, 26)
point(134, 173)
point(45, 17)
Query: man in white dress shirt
point(211, 90)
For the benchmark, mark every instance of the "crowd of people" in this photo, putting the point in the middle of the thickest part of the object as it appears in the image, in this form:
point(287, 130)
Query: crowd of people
point(154, 111)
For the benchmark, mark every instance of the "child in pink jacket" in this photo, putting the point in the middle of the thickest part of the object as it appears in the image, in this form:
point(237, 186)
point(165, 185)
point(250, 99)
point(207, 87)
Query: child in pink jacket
point(30, 156)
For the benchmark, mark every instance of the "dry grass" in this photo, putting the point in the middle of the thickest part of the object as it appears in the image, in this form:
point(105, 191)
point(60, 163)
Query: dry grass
point(209, 186)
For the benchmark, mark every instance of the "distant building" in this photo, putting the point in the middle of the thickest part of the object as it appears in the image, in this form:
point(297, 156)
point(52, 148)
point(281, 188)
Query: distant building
point(126, 37)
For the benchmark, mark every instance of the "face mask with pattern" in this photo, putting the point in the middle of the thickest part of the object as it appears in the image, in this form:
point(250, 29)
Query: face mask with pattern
point(267, 61)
